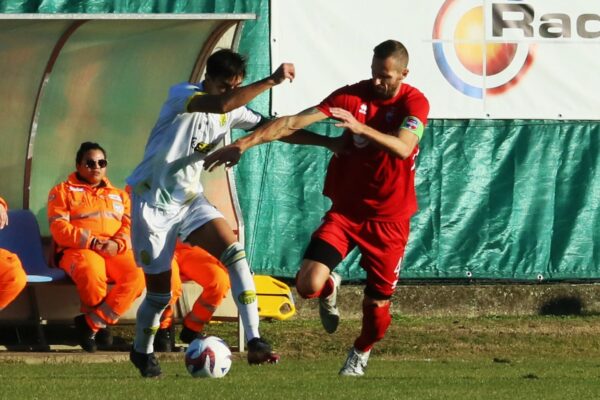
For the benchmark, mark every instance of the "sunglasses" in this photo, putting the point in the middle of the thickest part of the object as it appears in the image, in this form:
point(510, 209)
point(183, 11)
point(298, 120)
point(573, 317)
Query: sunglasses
point(93, 163)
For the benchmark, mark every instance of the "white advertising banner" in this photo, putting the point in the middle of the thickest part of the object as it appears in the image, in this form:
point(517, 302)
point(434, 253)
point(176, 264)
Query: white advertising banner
point(505, 59)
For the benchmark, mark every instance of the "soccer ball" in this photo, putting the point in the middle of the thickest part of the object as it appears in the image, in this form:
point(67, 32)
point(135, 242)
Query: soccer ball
point(208, 357)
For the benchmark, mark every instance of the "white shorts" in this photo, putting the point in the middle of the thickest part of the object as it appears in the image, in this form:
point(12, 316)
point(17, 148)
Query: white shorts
point(154, 231)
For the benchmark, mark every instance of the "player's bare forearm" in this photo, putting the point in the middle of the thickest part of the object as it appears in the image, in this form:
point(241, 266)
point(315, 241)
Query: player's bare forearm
point(231, 100)
point(400, 144)
point(231, 154)
point(283, 128)
point(274, 130)
point(240, 96)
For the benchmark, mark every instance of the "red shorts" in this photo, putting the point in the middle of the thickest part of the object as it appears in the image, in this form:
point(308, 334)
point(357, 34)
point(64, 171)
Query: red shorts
point(381, 245)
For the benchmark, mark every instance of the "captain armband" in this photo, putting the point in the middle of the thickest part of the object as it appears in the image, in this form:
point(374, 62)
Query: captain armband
point(414, 125)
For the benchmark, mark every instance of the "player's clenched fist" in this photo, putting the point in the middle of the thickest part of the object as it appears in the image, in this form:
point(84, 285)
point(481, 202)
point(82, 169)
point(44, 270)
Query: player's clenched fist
point(285, 71)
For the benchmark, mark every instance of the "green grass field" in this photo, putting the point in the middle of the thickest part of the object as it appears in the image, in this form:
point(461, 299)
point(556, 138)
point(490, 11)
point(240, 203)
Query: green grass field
point(422, 358)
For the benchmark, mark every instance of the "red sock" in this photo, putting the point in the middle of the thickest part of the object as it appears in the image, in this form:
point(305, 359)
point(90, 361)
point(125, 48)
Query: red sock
point(375, 323)
point(327, 288)
point(325, 291)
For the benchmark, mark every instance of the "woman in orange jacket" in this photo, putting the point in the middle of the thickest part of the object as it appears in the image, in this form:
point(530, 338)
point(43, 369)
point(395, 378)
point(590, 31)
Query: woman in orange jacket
point(90, 224)
point(12, 275)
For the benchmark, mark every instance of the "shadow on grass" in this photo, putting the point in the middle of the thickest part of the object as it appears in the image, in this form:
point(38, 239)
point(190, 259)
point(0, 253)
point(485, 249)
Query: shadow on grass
point(25, 338)
point(562, 306)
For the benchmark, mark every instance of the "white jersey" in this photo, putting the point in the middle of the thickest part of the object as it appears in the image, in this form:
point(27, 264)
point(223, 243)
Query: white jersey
point(169, 174)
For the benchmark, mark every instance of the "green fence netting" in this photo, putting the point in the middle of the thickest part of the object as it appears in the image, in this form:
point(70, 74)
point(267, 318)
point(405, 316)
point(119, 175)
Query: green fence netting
point(498, 200)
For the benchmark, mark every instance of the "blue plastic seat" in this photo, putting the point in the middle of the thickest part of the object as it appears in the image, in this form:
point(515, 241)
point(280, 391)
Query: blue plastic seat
point(22, 237)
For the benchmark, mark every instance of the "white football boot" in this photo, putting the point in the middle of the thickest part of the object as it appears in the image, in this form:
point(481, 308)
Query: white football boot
point(356, 363)
point(328, 310)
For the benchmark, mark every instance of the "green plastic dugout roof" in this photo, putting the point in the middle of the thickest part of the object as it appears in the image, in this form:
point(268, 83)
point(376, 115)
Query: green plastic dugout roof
point(69, 78)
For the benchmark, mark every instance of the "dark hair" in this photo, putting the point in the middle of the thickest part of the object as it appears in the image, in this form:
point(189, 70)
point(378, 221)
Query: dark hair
point(85, 147)
point(391, 48)
point(225, 63)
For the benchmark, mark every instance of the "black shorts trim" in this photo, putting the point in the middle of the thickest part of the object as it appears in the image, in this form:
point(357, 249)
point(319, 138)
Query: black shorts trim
point(320, 251)
point(375, 295)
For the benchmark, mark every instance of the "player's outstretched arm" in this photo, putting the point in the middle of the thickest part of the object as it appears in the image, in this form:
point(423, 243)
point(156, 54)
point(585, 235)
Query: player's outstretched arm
point(274, 130)
point(241, 96)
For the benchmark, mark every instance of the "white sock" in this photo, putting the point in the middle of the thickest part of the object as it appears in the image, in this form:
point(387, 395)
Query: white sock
point(242, 288)
point(148, 321)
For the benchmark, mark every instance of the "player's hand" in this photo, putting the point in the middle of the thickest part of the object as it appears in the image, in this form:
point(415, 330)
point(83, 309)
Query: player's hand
point(285, 71)
point(228, 155)
point(347, 120)
point(3, 217)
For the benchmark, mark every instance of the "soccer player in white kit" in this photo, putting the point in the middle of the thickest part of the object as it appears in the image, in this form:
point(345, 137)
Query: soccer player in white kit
point(168, 200)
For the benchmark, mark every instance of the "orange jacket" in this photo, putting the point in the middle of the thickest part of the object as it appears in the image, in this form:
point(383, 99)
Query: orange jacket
point(79, 213)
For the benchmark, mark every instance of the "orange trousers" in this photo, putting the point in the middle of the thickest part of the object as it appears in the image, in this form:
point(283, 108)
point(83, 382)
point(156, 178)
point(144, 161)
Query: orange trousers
point(92, 273)
point(198, 265)
point(166, 319)
point(12, 277)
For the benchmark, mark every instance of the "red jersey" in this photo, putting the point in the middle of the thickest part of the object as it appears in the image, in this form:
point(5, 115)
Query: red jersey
point(370, 183)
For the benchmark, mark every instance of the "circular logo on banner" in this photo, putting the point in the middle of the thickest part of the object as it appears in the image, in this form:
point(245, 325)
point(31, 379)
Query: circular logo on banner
point(471, 62)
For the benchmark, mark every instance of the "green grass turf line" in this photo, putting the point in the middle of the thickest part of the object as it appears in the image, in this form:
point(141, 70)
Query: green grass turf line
point(421, 358)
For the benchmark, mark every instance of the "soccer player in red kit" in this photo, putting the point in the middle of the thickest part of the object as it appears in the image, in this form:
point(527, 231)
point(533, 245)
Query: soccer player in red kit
point(370, 181)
